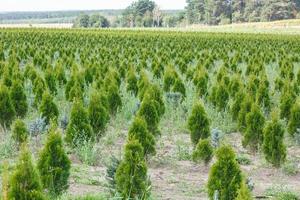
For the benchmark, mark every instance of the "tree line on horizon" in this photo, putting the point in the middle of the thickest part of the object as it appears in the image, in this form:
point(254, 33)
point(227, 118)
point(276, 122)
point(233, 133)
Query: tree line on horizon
point(146, 13)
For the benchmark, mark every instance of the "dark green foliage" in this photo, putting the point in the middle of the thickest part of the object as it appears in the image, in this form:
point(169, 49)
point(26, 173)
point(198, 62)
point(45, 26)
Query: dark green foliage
point(201, 81)
point(48, 108)
point(79, 128)
point(179, 87)
point(25, 182)
point(237, 104)
point(54, 164)
point(273, 146)
point(18, 98)
point(294, 121)
point(244, 193)
point(51, 81)
point(255, 121)
point(110, 173)
point(225, 175)
point(39, 86)
point(149, 112)
point(98, 113)
point(138, 131)
point(287, 100)
point(60, 74)
point(7, 110)
point(198, 123)
point(245, 108)
point(131, 176)
point(235, 85)
point(203, 151)
point(19, 131)
point(132, 82)
point(114, 98)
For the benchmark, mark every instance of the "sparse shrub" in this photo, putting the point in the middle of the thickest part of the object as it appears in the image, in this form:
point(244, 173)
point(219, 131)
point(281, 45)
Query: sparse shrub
point(19, 131)
point(255, 121)
point(37, 126)
point(18, 98)
point(243, 159)
point(244, 193)
point(225, 175)
point(294, 121)
point(25, 182)
point(48, 108)
point(138, 131)
point(203, 151)
point(131, 176)
point(98, 114)
point(79, 128)
point(54, 164)
point(7, 111)
point(198, 123)
point(215, 138)
point(273, 147)
point(110, 173)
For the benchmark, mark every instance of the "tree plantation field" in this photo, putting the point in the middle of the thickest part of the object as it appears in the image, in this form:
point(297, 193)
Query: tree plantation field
point(145, 114)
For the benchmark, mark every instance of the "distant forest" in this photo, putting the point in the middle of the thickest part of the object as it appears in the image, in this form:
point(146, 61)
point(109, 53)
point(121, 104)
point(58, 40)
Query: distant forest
point(146, 13)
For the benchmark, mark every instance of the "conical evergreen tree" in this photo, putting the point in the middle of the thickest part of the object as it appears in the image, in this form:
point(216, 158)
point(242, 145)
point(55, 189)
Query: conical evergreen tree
point(287, 100)
point(114, 98)
point(198, 123)
point(19, 131)
point(273, 146)
point(131, 176)
point(54, 164)
point(203, 151)
point(18, 98)
point(7, 111)
point(51, 80)
point(98, 113)
point(255, 121)
point(225, 175)
point(79, 128)
point(294, 121)
point(132, 85)
point(48, 108)
point(25, 182)
point(139, 131)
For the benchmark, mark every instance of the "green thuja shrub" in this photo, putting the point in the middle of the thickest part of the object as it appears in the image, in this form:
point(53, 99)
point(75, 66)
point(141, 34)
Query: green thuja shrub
point(25, 182)
point(114, 98)
point(155, 93)
point(203, 152)
point(287, 100)
point(245, 109)
point(143, 85)
point(273, 146)
point(60, 74)
point(7, 110)
point(98, 113)
point(200, 81)
point(76, 92)
point(244, 193)
point(39, 86)
point(179, 87)
point(149, 112)
point(54, 164)
point(263, 97)
point(51, 81)
point(294, 121)
point(170, 77)
point(255, 121)
point(19, 131)
point(138, 131)
point(131, 176)
point(235, 85)
point(225, 175)
point(79, 128)
point(198, 123)
point(48, 108)
point(18, 98)
point(237, 104)
point(132, 82)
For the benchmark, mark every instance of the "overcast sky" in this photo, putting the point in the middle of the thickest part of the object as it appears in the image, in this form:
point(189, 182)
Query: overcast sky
point(50, 5)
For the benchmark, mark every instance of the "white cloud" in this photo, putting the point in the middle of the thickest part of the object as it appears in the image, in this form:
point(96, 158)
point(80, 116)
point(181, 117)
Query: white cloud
point(45, 5)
